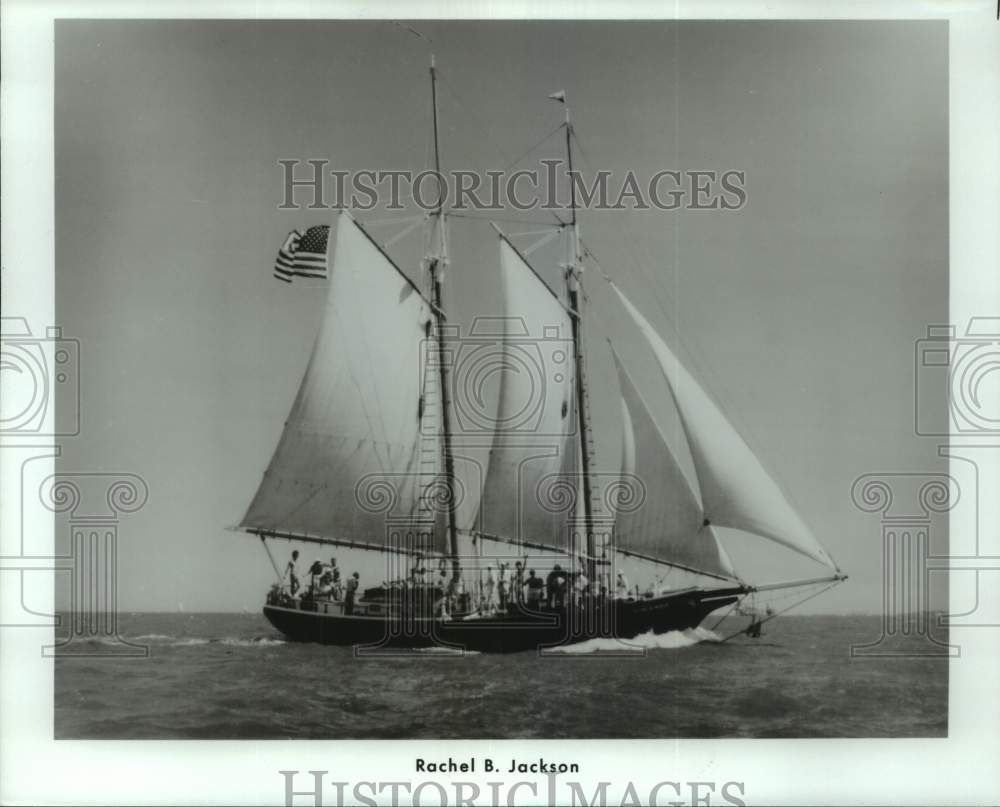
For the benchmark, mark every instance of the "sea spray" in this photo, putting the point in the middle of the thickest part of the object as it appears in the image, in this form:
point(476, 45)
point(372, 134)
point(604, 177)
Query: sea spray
point(671, 640)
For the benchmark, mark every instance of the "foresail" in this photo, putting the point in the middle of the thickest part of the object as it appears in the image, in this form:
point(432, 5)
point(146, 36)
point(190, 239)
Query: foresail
point(659, 514)
point(735, 489)
point(526, 481)
point(354, 461)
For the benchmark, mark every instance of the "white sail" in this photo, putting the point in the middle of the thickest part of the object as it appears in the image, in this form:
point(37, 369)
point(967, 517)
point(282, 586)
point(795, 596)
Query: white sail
point(352, 462)
point(526, 479)
point(736, 491)
point(660, 514)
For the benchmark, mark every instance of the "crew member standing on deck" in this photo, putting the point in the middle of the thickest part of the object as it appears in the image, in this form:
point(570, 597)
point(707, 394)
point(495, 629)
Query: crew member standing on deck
point(418, 574)
point(555, 585)
point(502, 587)
point(338, 588)
point(518, 583)
point(353, 582)
point(581, 586)
point(490, 603)
point(621, 587)
point(315, 573)
point(292, 573)
point(535, 586)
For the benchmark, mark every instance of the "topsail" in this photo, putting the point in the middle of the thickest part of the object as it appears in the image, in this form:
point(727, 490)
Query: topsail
point(349, 464)
point(736, 491)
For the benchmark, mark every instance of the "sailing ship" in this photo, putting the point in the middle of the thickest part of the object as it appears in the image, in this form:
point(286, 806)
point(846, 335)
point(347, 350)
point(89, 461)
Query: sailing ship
point(374, 457)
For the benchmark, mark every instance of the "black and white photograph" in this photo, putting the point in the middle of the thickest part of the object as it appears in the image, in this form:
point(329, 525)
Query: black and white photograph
point(506, 380)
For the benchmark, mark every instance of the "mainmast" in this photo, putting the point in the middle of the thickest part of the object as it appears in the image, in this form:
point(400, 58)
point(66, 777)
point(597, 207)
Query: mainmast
point(437, 261)
point(573, 285)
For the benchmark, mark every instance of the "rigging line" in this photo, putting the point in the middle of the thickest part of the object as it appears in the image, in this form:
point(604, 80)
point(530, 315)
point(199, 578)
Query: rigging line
point(541, 243)
point(581, 150)
point(675, 565)
point(270, 557)
point(478, 121)
point(396, 220)
point(413, 31)
point(550, 231)
point(510, 165)
point(725, 616)
point(487, 217)
point(785, 610)
point(403, 233)
point(628, 242)
point(472, 114)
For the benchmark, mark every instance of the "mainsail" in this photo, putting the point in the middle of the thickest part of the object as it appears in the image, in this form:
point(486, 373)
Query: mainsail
point(351, 464)
point(534, 422)
point(735, 489)
point(663, 519)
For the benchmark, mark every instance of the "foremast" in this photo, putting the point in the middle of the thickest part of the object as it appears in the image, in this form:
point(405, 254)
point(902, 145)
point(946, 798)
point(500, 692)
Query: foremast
point(437, 262)
point(573, 277)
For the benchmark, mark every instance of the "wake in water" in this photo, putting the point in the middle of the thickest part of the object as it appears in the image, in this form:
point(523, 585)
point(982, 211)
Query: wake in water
point(192, 641)
point(671, 640)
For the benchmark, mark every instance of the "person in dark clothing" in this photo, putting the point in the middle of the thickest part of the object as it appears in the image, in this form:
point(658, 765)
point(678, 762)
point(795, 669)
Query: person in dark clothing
point(555, 585)
point(352, 587)
point(315, 573)
point(535, 588)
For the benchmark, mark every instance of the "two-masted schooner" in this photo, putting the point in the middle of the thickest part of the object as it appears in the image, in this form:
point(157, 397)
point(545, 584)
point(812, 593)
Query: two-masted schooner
point(373, 457)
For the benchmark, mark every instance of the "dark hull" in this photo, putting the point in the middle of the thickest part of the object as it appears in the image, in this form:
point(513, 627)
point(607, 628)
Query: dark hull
point(518, 629)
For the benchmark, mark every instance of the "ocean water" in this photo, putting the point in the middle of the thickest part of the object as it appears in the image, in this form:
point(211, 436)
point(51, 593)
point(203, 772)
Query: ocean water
point(232, 676)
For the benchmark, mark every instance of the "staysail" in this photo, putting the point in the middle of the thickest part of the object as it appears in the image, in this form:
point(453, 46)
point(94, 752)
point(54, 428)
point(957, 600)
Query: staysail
point(661, 515)
point(735, 489)
point(351, 463)
point(534, 421)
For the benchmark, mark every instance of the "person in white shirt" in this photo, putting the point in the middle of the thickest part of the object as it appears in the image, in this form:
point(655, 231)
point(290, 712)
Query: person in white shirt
point(580, 586)
point(489, 599)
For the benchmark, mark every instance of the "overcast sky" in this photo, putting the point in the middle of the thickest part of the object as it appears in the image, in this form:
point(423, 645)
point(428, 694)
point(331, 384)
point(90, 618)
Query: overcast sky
point(799, 312)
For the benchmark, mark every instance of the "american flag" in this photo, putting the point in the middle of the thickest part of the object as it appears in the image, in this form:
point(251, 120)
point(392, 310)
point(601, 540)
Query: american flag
point(303, 255)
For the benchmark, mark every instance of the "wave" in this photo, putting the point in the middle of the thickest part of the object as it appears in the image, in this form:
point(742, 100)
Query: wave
point(194, 641)
point(260, 641)
point(671, 640)
point(447, 651)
